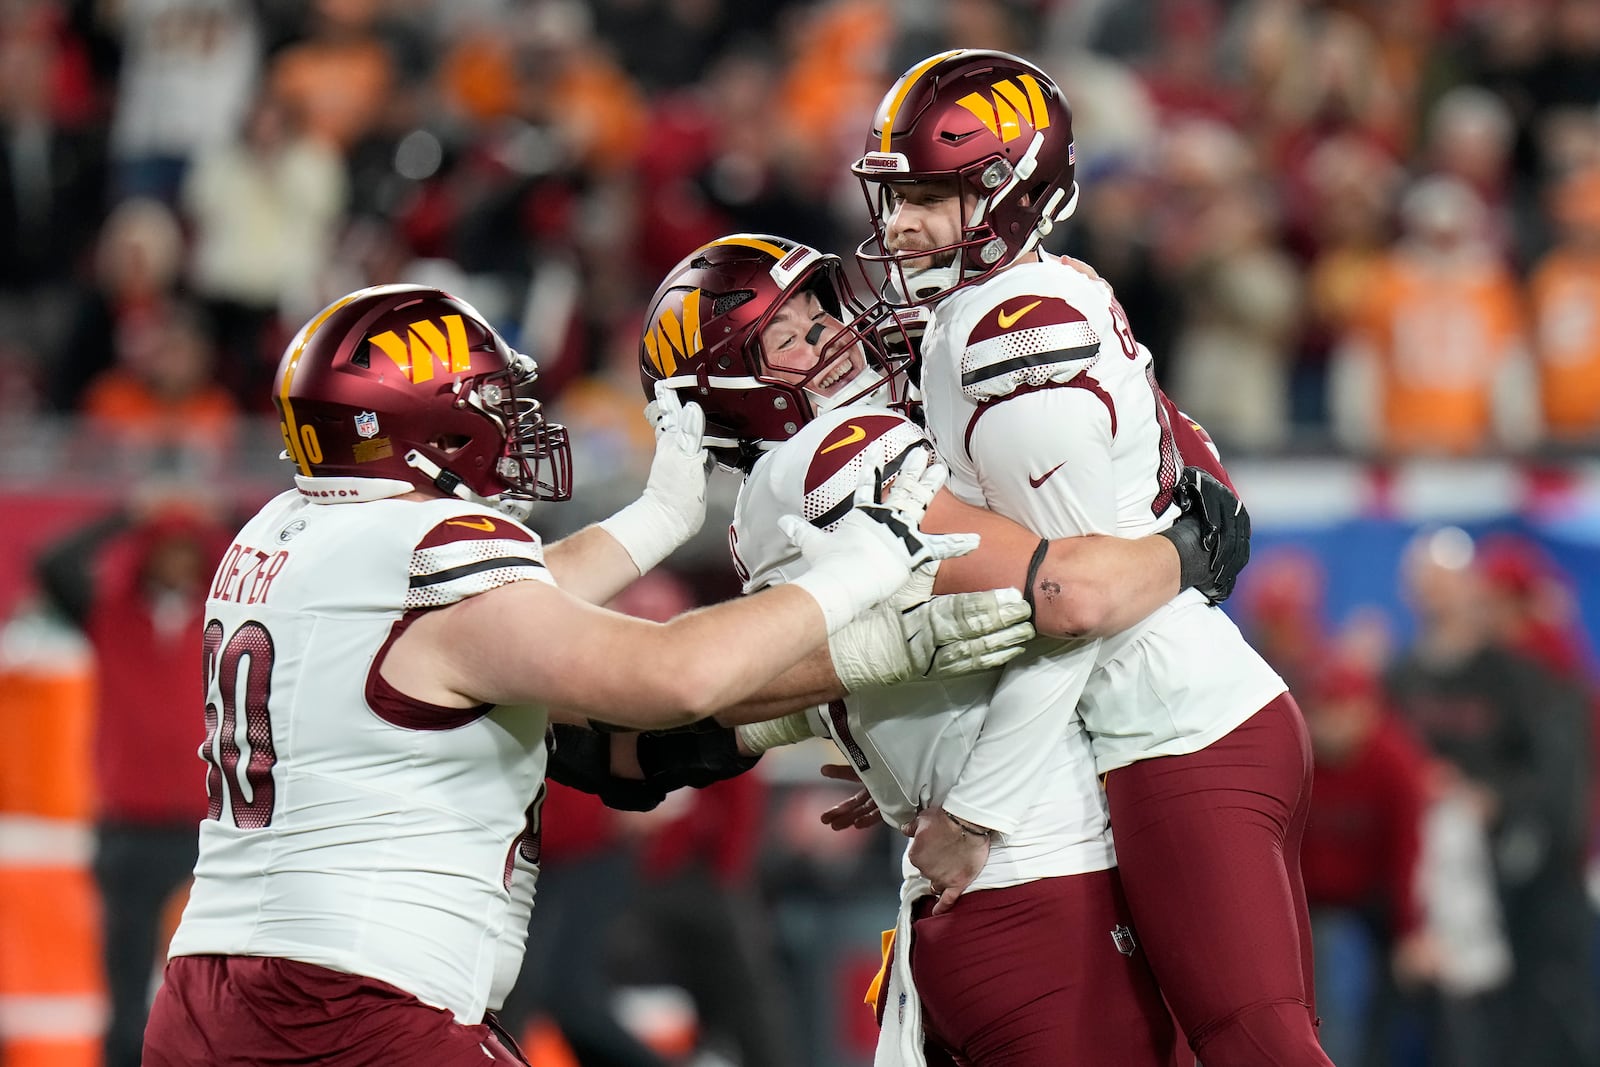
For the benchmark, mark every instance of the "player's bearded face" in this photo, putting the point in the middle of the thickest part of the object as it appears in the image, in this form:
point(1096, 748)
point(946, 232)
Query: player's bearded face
point(924, 216)
point(803, 335)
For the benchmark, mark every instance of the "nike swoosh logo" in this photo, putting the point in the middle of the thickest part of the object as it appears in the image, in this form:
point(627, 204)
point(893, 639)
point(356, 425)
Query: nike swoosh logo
point(485, 524)
point(1037, 482)
point(1008, 321)
point(856, 434)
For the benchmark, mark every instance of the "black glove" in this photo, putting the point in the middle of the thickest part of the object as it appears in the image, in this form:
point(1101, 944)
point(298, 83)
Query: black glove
point(695, 755)
point(581, 758)
point(1212, 535)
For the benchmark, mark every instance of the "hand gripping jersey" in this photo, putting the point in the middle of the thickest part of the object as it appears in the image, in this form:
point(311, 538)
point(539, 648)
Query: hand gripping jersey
point(349, 826)
point(1046, 411)
point(912, 743)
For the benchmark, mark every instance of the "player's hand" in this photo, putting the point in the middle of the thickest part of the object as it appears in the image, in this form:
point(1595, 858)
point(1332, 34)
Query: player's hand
point(672, 507)
point(918, 635)
point(873, 550)
point(860, 812)
point(681, 464)
point(912, 488)
point(949, 857)
point(1212, 535)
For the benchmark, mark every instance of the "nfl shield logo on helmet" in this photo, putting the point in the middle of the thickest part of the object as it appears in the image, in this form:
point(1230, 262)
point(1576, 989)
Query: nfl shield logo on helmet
point(367, 423)
point(1122, 937)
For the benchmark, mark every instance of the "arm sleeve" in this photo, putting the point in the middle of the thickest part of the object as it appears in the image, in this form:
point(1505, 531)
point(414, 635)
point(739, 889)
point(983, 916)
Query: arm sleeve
point(1046, 462)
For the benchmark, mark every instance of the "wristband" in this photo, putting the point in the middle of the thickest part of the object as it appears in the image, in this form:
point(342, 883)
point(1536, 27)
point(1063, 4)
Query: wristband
point(967, 828)
point(1033, 573)
point(838, 599)
point(1194, 562)
point(791, 729)
point(641, 529)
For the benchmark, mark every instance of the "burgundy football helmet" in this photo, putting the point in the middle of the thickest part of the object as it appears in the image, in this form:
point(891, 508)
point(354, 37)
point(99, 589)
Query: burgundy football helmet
point(703, 330)
point(1001, 129)
point(410, 383)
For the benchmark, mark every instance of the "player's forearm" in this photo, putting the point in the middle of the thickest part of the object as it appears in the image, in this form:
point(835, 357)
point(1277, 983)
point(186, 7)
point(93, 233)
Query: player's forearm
point(1088, 586)
point(810, 682)
point(591, 565)
point(1098, 585)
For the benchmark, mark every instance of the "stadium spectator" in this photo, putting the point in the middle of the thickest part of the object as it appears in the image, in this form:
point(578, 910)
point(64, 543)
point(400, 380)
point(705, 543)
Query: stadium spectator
point(138, 261)
point(263, 209)
point(1564, 292)
point(1360, 861)
point(340, 78)
point(1232, 357)
point(1436, 359)
point(135, 582)
point(187, 71)
point(161, 407)
point(1516, 735)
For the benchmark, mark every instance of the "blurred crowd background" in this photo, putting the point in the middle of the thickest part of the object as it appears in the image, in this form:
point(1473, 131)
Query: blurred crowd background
point(1362, 238)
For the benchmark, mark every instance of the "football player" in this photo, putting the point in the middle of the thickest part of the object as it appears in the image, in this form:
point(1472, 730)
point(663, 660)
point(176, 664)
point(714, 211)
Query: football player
point(796, 379)
point(1042, 403)
point(380, 647)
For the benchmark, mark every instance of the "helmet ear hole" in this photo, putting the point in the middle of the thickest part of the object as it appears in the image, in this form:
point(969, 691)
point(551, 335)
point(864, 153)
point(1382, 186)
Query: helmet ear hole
point(450, 444)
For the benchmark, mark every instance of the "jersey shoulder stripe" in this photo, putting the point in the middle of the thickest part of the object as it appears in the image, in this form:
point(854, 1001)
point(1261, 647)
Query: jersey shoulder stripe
point(475, 526)
point(1026, 339)
point(471, 553)
point(834, 469)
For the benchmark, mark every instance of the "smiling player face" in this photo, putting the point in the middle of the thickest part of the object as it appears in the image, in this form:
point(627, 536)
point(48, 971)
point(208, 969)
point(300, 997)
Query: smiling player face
point(802, 336)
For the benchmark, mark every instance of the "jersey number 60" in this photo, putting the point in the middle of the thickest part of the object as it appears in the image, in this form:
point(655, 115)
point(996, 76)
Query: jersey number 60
point(250, 645)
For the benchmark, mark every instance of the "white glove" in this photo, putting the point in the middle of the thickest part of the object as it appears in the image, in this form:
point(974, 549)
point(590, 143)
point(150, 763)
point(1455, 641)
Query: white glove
point(673, 504)
point(873, 550)
point(919, 635)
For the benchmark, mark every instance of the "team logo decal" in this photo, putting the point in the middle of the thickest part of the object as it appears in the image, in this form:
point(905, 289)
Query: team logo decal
point(289, 532)
point(425, 342)
point(367, 424)
point(1008, 106)
point(672, 339)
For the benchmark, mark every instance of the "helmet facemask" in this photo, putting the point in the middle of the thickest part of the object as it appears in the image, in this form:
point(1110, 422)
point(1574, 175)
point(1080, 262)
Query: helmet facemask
point(536, 458)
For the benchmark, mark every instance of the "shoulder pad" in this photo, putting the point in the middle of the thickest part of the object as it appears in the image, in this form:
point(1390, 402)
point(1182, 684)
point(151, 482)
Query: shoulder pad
point(870, 439)
point(1026, 340)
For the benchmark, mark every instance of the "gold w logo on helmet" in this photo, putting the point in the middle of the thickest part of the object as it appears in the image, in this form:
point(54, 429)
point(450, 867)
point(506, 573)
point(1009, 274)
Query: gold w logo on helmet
point(1008, 105)
point(672, 339)
point(424, 343)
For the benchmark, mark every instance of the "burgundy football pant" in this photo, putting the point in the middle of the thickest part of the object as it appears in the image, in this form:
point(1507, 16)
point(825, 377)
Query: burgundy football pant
point(1208, 846)
point(220, 1010)
point(1038, 975)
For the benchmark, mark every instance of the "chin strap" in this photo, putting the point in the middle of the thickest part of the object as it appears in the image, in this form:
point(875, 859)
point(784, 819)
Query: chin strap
point(446, 482)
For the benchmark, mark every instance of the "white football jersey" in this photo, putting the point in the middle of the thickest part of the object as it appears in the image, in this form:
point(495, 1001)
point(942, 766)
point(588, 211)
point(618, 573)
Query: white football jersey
point(350, 826)
point(1046, 411)
point(1032, 779)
